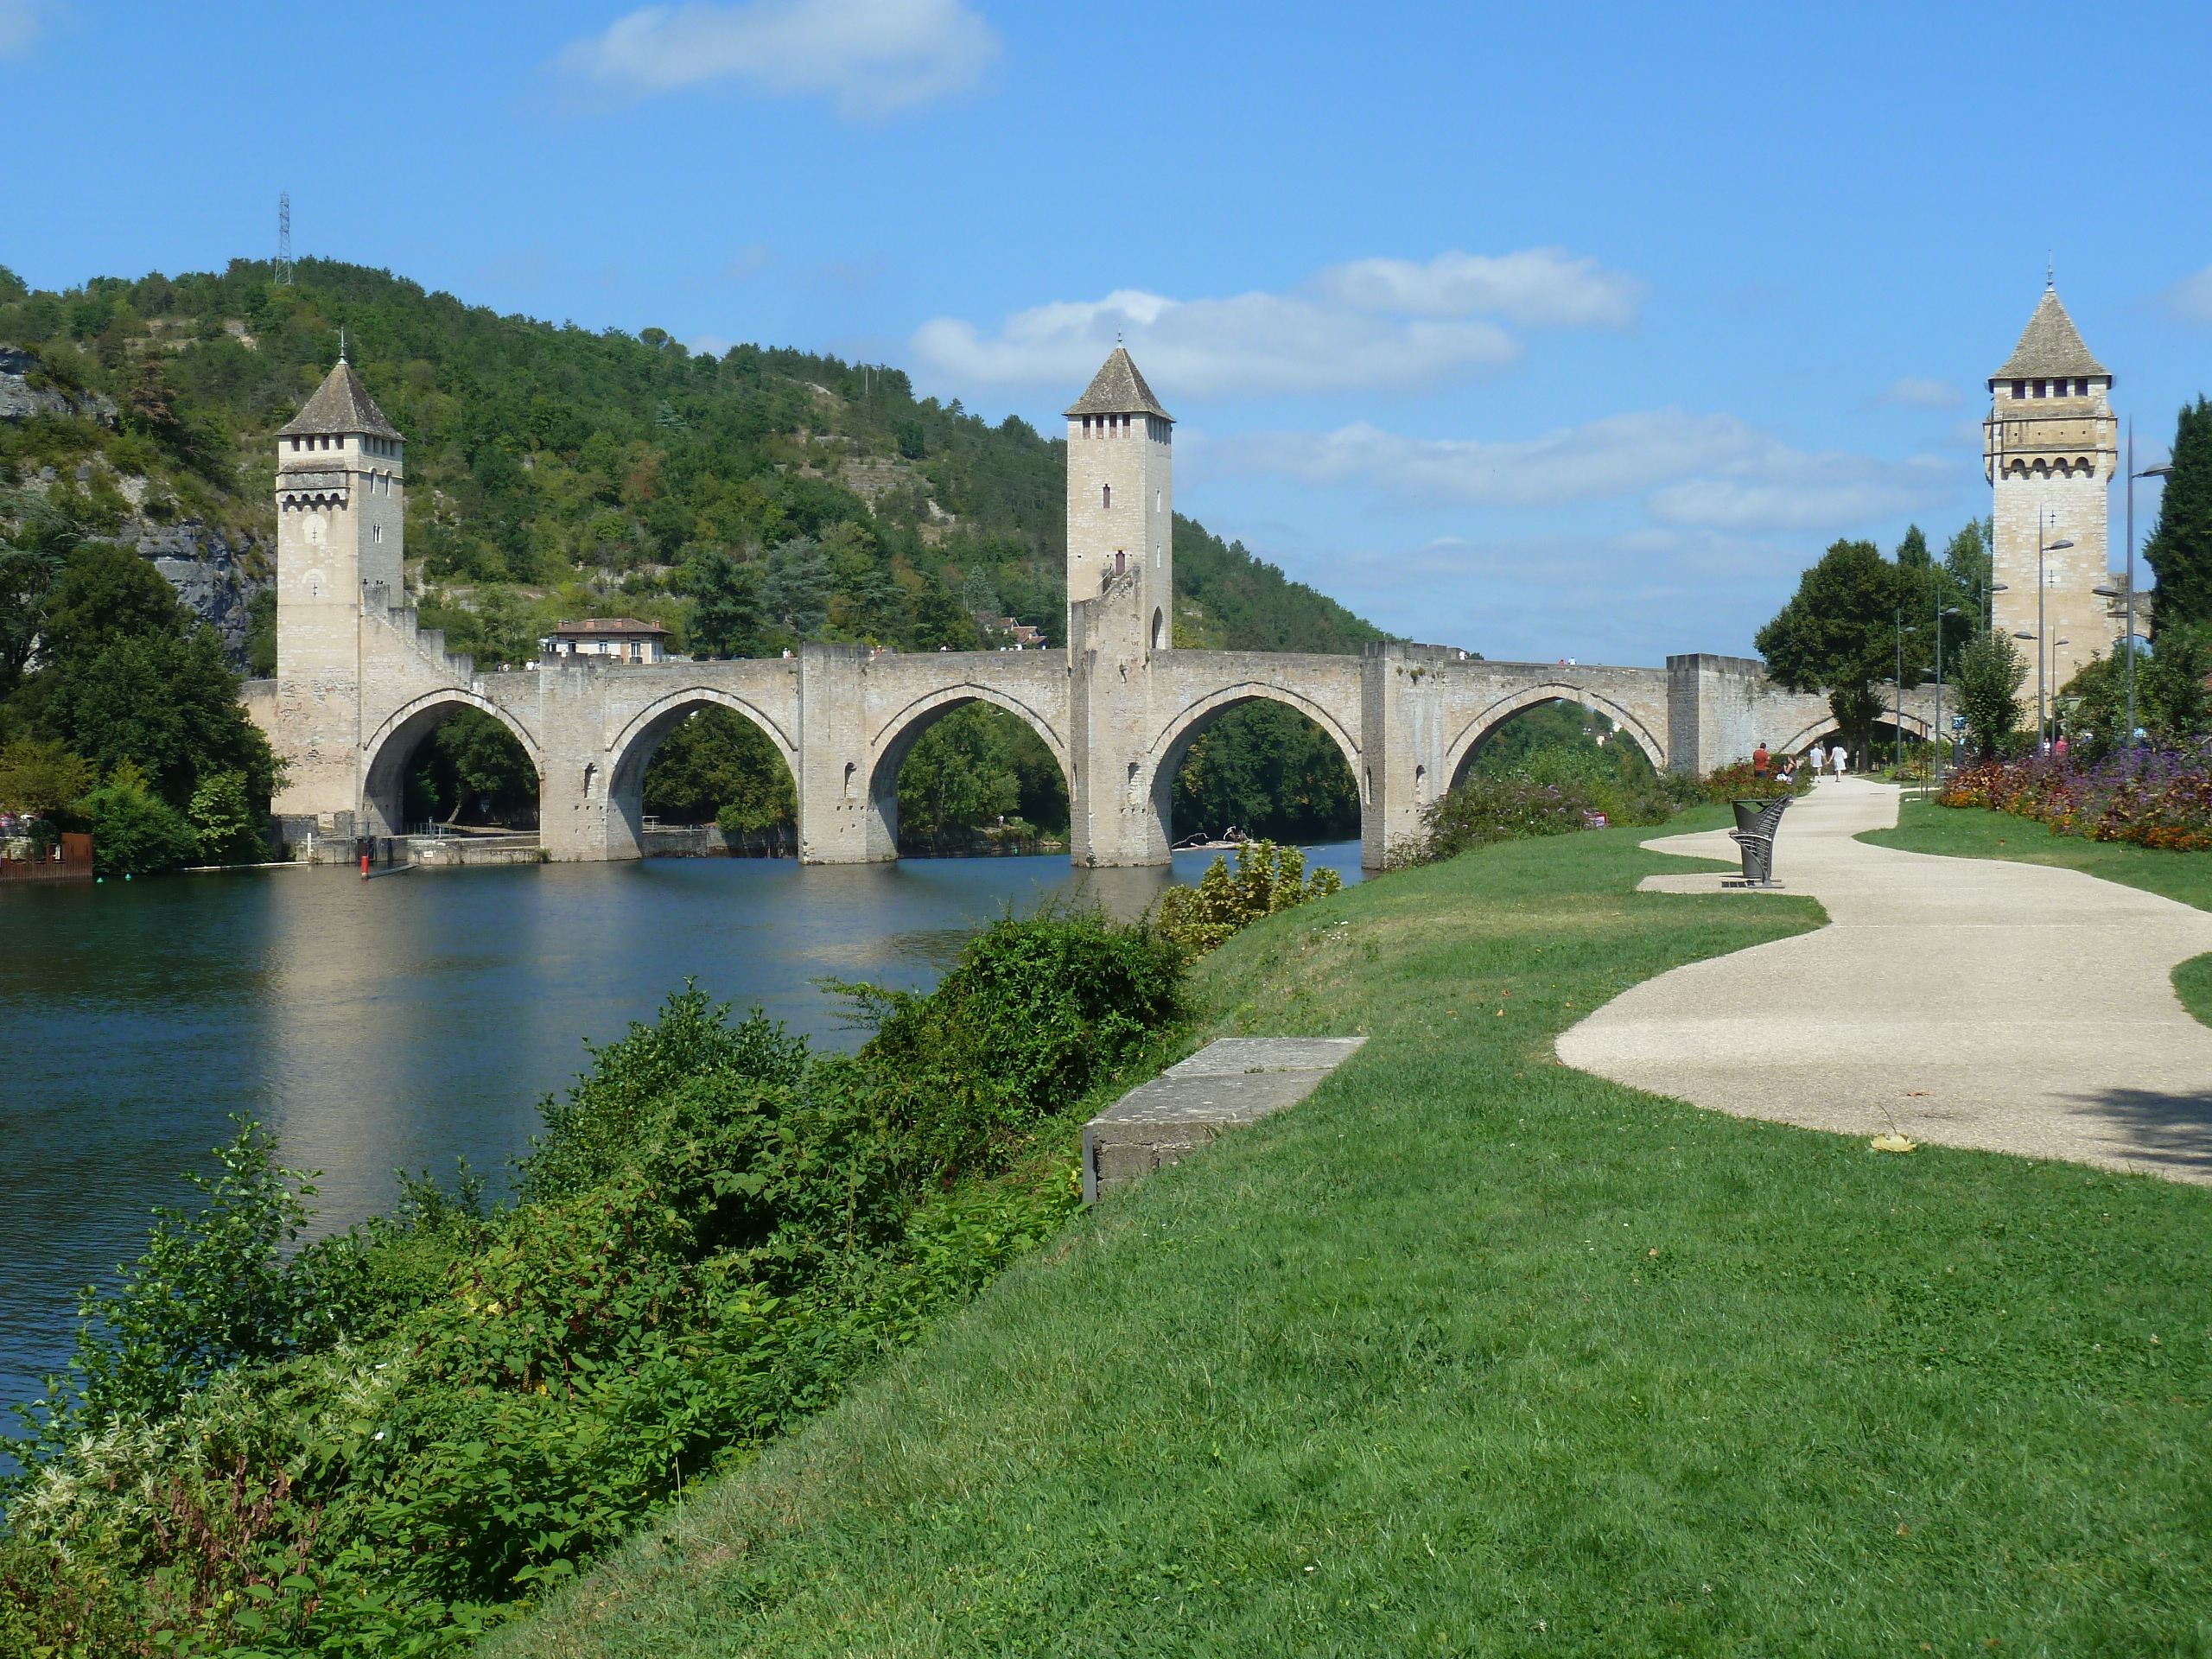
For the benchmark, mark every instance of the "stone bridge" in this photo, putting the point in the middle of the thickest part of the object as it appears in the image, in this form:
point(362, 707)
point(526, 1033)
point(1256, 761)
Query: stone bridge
point(359, 686)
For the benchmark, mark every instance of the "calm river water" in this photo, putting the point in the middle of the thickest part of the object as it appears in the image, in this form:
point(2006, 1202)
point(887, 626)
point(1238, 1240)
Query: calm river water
point(402, 1021)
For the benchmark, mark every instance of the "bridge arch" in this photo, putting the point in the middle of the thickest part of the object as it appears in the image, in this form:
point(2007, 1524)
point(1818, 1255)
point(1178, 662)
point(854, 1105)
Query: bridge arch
point(384, 758)
point(1171, 744)
point(895, 740)
point(1918, 727)
point(1459, 754)
point(630, 755)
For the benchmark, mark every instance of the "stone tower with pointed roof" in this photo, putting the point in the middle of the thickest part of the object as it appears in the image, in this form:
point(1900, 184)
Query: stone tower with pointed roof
point(1122, 499)
point(341, 562)
point(2050, 450)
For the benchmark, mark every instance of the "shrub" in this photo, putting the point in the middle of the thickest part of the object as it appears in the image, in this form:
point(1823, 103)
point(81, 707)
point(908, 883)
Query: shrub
point(1038, 1010)
point(1267, 878)
point(135, 832)
point(225, 829)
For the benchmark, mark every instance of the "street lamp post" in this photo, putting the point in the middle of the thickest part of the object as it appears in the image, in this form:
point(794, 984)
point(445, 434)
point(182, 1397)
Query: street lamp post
point(1896, 719)
point(2148, 471)
point(2043, 587)
point(1942, 611)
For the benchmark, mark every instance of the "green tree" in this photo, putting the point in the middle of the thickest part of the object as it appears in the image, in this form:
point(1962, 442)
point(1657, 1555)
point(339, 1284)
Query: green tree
point(728, 616)
point(134, 831)
point(32, 558)
point(1839, 633)
point(485, 767)
point(717, 764)
point(40, 776)
point(957, 778)
point(2180, 548)
point(225, 826)
point(1266, 769)
point(1990, 673)
point(127, 674)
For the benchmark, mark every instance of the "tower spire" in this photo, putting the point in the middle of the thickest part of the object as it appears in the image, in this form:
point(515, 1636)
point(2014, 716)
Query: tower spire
point(342, 345)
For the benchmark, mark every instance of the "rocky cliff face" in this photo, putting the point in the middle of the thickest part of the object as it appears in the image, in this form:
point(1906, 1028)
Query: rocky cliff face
point(208, 574)
point(24, 392)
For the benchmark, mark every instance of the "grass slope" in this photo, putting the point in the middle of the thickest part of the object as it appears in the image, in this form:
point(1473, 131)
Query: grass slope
point(1472, 1353)
point(1964, 832)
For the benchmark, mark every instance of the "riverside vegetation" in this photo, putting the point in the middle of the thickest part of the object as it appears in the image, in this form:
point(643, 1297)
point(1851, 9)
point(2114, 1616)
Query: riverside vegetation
point(383, 1441)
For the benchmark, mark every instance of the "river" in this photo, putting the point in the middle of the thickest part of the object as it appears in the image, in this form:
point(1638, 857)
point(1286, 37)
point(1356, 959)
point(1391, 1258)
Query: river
point(402, 1021)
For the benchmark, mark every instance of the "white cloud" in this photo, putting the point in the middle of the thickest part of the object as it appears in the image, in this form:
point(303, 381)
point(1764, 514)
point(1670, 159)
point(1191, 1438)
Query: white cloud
point(1536, 287)
point(1252, 344)
point(2190, 299)
point(19, 28)
point(1916, 391)
point(869, 57)
point(1711, 470)
point(1371, 325)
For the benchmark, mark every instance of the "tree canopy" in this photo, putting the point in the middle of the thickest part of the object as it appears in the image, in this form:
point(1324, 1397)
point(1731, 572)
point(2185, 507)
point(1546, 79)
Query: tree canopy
point(2180, 548)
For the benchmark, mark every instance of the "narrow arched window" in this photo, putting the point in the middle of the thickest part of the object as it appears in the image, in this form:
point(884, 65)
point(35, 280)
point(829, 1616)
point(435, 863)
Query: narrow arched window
point(1106, 495)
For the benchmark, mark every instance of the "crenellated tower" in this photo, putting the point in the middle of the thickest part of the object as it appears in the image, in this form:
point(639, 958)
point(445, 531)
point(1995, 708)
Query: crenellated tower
point(1122, 499)
point(2050, 450)
point(341, 558)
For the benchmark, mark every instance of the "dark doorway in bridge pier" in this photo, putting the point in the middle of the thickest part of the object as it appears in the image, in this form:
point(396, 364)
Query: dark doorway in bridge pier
point(981, 781)
point(716, 766)
point(1562, 740)
point(469, 770)
point(1266, 770)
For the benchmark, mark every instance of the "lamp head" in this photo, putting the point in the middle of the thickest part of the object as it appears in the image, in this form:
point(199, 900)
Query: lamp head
point(2056, 547)
point(2108, 593)
point(2155, 472)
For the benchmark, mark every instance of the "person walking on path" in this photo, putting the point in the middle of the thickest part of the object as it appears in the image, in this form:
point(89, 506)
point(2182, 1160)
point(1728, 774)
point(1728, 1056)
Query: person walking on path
point(1819, 758)
point(1841, 757)
point(1760, 761)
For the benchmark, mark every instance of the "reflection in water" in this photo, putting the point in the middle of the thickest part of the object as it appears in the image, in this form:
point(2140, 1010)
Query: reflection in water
point(404, 1022)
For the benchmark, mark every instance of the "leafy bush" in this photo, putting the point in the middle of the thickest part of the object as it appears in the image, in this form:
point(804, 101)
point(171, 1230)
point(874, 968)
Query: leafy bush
point(134, 831)
point(1038, 1010)
point(225, 829)
point(1267, 878)
point(386, 1442)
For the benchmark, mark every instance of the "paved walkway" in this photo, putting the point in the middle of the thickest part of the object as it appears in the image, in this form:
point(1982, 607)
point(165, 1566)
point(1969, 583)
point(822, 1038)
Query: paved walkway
point(2009, 1006)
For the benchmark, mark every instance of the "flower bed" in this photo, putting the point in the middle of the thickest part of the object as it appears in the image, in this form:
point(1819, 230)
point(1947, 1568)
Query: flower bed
point(2153, 798)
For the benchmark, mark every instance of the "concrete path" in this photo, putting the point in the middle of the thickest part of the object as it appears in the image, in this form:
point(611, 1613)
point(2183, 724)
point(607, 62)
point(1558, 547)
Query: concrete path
point(2009, 1006)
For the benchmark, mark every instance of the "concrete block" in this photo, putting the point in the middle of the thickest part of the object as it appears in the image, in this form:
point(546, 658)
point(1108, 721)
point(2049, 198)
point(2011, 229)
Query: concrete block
point(1236, 1080)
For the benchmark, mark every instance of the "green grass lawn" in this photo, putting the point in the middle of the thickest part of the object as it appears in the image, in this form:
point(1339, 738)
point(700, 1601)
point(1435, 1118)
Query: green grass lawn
point(1973, 832)
point(1474, 1354)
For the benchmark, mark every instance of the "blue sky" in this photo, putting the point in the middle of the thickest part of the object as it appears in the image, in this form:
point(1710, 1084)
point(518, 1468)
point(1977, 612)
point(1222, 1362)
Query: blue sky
point(1572, 330)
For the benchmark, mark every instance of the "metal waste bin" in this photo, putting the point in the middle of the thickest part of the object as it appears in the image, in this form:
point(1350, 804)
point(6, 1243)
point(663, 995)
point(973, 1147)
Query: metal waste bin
point(1756, 823)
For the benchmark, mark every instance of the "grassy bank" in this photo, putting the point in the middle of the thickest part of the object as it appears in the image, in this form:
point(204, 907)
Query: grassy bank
point(1972, 832)
point(1471, 1353)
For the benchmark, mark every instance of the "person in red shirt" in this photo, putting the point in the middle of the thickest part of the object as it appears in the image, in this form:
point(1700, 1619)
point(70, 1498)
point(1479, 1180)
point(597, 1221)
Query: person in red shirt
point(1760, 761)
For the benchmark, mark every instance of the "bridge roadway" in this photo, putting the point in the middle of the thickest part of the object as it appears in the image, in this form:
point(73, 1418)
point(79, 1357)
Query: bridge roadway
point(1117, 713)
